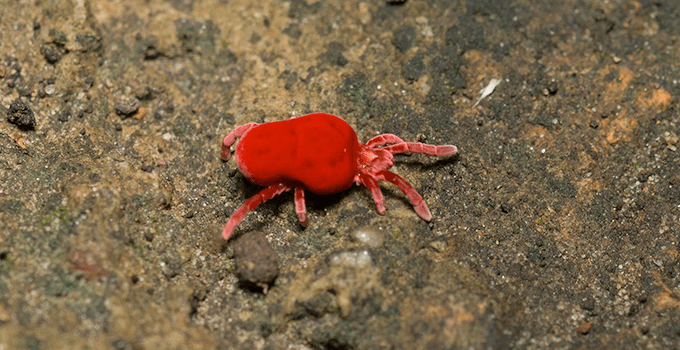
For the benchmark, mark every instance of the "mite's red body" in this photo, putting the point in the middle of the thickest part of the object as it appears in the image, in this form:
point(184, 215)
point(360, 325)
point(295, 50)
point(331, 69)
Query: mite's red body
point(320, 153)
point(317, 152)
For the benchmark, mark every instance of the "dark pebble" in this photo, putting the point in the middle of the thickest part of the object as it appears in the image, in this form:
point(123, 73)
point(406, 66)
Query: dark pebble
point(644, 329)
point(127, 106)
point(642, 298)
point(148, 236)
point(256, 262)
point(19, 114)
point(588, 304)
point(51, 53)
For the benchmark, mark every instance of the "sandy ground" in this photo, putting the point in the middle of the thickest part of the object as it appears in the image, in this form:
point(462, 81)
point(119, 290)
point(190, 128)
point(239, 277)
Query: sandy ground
point(556, 226)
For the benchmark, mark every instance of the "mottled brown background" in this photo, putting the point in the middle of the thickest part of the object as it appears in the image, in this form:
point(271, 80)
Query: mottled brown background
point(556, 226)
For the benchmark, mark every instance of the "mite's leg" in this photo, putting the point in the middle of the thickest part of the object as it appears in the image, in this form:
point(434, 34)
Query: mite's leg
point(300, 208)
point(368, 181)
point(384, 139)
point(423, 148)
point(416, 200)
point(252, 203)
point(231, 138)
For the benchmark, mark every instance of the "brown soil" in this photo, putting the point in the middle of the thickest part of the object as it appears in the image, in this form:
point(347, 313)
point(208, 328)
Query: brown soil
point(556, 225)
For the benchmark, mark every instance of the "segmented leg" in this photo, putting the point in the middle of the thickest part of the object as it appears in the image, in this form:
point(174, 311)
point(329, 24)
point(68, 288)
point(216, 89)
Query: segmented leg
point(300, 207)
point(399, 146)
point(384, 139)
point(422, 148)
point(252, 203)
point(368, 181)
point(231, 138)
point(416, 200)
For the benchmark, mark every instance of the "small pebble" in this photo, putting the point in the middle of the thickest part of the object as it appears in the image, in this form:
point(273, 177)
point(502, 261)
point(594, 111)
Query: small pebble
point(439, 246)
point(21, 115)
point(354, 259)
point(584, 327)
point(148, 236)
point(368, 236)
point(127, 106)
point(256, 262)
point(671, 138)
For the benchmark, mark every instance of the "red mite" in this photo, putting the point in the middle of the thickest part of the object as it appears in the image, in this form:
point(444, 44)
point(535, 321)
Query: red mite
point(319, 153)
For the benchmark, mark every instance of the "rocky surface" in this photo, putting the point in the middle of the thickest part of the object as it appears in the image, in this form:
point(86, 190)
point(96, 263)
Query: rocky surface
point(556, 225)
